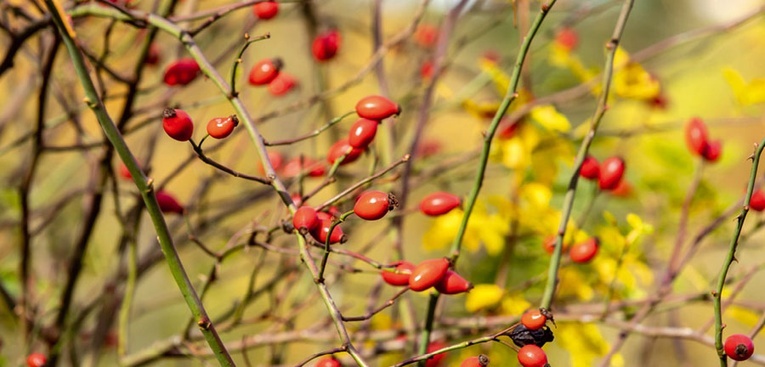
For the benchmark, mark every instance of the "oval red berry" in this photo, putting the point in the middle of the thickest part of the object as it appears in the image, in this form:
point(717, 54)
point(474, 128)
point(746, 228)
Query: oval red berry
point(322, 230)
point(533, 319)
point(343, 148)
point(222, 127)
point(453, 283)
point(266, 9)
point(181, 72)
point(265, 71)
point(428, 273)
point(475, 361)
point(399, 276)
point(168, 203)
point(590, 168)
point(373, 205)
point(696, 136)
point(177, 124)
point(739, 347)
point(282, 84)
point(377, 108)
point(328, 361)
point(757, 202)
point(611, 173)
point(584, 252)
point(36, 360)
point(305, 219)
point(531, 355)
point(712, 151)
point(325, 45)
point(439, 203)
point(362, 133)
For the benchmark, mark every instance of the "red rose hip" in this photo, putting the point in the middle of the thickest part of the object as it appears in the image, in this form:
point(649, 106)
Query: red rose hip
point(534, 319)
point(611, 173)
point(168, 203)
point(377, 108)
point(453, 283)
point(305, 219)
point(531, 355)
point(36, 360)
point(328, 361)
point(590, 168)
point(265, 71)
point(181, 72)
point(265, 10)
point(428, 273)
point(399, 276)
point(326, 45)
point(373, 205)
point(584, 252)
point(439, 203)
point(475, 361)
point(739, 347)
point(343, 148)
point(282, 84)
point(696, 135)
point(222, 127)
point(757, 202)
point(177, 124)
point(362, 133)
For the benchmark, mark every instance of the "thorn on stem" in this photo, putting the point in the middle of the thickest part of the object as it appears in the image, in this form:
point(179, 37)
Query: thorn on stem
point(204, 323)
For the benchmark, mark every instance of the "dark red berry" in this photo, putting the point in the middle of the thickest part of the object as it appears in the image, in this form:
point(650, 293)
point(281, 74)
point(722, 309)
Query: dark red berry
point(362, 133)
point(399, 276)
point(566, 38)
point(712, 151)
point(611, 173)
point(373, 205)
point(439, 203)
point(739, 347)
point(305, 219)
point(428, 273)
point(757, 202)
point(168, 203)
point(326, 45)
point(265, 71)
point(453, 283)
point(322, 230)
point(590, 168)
point(177, 124)
point(266, 9)
point(377, 108)
point(221, 127)
point(181, 72)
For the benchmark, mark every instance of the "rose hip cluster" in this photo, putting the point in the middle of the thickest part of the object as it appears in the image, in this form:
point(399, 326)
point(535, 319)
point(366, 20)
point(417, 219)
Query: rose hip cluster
point(372, 110)
point(697, 138)
point(580, 253)
point(179, 126)
point(609, 174)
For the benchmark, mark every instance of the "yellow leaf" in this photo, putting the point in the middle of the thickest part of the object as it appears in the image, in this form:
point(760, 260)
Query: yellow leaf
point(584, 342)
point(483, 296)
point(515, 305)
point(536, 194)
point(742, 315)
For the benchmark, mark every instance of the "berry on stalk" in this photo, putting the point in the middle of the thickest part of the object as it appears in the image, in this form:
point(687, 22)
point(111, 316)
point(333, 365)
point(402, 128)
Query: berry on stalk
point(177, 124)
point(377, 108)
point(739, 347)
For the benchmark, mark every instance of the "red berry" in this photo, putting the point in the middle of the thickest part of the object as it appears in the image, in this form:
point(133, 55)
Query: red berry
point(181, 72)
point(757, 202)
point(221, 127)
point(428, 273)
point(343, 148)
point(399, 276)
point(266, 9)
point(712, 151)
point(453, 283)
point(623, 189)
point(362, 133)
point(475, 361)
point(584, 252)
point(377, 108)
point(439, 203)
point(282, 84)
point(696, 135)
point(36, 360)
point(322, 230)
point(437, 359)
point(611, 173)
point(531, 355)
point(326, 45)
point(426, 35)
point(265, 71)
point(426, 69)
point(533, 319)
point(168, 203)
point(566, 38)
point(305, 219)
point(177, 124)
point(295, 167)
point(328, 361)
point(508, 128)
point(739, 347)
point(373, 205)
point(590, 168)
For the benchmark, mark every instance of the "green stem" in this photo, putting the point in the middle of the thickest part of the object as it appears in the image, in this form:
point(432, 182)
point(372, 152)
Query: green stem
point(731, 256)
point(144, 185)
point(568, 201)
point(425, 337)
point(510, 96)
point(328, 242)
